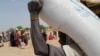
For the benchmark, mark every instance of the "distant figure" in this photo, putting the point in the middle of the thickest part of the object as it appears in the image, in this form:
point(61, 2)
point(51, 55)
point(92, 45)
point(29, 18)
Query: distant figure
point(44, 35)
point(12, 39)
point(3, 37)
point(1, 40)
point(24, 37)
point(17, 38)
point(55, 34)
point(7, 36)
point(51, 36)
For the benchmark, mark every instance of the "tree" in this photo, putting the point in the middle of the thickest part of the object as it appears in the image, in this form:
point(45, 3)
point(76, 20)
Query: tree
point(19, 27)
point(27, 28)
point(42, 27)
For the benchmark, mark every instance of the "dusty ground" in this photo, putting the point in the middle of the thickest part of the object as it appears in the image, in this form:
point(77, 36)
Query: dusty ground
point(15, 51)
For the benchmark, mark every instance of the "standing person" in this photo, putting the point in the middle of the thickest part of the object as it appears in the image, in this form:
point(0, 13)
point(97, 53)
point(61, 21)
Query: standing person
point(24, 37)
point(7, 36)
point(40, 46)
point(12, 39)
point(51, 36)
point(55, 34)
point(1, 40)
point(17, 38)
point(44, 34)
point(3, 36)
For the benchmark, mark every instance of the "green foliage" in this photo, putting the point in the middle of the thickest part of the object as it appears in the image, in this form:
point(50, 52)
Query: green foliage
point(42, 27)
point(27, 28)
point(19, 27)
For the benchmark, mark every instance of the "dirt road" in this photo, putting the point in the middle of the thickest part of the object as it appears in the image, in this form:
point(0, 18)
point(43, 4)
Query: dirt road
point(15, 51)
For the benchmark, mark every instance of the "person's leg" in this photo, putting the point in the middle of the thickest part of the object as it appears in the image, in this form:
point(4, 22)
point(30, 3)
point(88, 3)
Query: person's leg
point(26, 41)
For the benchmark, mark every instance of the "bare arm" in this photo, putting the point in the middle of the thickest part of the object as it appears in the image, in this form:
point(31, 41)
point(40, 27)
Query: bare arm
point(39, 44)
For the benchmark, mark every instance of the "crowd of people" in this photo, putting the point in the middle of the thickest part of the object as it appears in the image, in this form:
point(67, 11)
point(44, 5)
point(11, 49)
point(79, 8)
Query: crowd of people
point(19, 38)
point(16, 38)
point(49, 34)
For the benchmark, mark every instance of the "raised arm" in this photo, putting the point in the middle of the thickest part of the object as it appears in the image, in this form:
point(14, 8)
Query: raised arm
point(39, 44)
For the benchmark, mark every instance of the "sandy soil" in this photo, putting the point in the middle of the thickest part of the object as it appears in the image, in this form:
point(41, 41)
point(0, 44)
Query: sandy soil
point(15, 51)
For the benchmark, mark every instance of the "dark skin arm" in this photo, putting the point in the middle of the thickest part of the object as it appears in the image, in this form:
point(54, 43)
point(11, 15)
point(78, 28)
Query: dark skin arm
point(39, 44)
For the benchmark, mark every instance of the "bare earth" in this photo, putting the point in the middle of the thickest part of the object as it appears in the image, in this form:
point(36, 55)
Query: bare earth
point(15, 51)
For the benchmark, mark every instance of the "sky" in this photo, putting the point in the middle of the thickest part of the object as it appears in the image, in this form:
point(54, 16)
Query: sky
point(14, 13)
